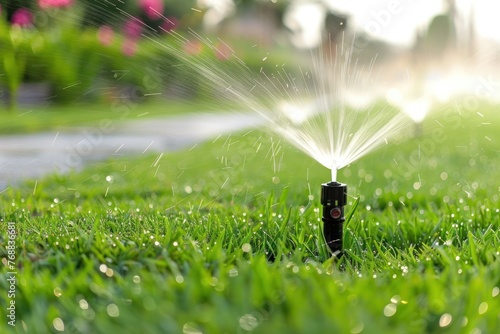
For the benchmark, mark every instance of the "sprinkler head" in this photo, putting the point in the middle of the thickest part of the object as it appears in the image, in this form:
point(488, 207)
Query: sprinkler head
point(333, 199)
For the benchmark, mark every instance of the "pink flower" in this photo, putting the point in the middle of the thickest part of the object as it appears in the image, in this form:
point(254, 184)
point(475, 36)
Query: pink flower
point(54, 3)
point(152, 8)
point(129, 47)
point(170, 24)
point(132, 29)
point(105, 35)
point(22, 17)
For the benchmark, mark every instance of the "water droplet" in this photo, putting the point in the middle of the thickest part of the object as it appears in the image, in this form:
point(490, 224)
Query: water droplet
point(83, 304)
point(58, 324)
point(390, 310)
point(248, 322)
point(495, 292)
point(58, 292)
point(191, 328)
point(246, 248)
point(179, 279)
point(358, 328)
point(233, 272)
point(109, 272)
point(395, 299)
point(103, 268)
point(445, 320)
point(483, 307)
point(113, 310)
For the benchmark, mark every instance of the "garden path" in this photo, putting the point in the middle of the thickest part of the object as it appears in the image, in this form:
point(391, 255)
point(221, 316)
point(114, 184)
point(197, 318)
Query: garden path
point(33, 155)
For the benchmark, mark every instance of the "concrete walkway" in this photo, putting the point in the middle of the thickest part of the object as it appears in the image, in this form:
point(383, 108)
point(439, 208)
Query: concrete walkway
point(33, 155)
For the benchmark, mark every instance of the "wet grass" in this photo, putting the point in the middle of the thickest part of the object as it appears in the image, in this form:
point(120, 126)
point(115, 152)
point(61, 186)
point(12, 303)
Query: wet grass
point(226, 238)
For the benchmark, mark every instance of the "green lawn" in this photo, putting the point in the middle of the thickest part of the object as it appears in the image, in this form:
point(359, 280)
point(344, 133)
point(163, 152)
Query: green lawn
point(226, 238)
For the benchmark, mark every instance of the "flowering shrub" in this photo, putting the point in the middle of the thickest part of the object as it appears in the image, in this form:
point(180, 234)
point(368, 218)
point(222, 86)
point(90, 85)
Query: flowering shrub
point(44, 4)
point(54, 43)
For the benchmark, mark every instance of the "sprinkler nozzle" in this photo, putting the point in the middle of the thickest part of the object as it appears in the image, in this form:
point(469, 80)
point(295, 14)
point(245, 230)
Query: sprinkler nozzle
point(333, 199)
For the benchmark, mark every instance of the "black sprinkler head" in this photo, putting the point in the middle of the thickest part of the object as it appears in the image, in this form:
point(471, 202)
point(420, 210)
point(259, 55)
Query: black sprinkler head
point(333, 199)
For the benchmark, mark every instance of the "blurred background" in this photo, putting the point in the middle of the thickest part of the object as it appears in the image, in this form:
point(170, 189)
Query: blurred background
point(83, 51)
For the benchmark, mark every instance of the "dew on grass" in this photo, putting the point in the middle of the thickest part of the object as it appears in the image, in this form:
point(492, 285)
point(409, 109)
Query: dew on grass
point(495, 292)
point(395, 299)
point(483, 307)
point(233, 272)
point(58, 324)
point(109, 272)
point(358, 328)
point(83, 304)
point(103, 268)
point(246, 247)
point(58, 292)
point(179, 279)
point(445, 320)
point(248, 322)
point(175, 244)
point(113, 310)
point(390, 310)
point(191, 328)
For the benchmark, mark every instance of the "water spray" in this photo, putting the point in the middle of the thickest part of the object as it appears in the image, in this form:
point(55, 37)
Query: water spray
point(333, 199)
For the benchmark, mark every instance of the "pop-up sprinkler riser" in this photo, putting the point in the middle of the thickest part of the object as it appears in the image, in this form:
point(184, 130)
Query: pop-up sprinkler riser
point(333, 199)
